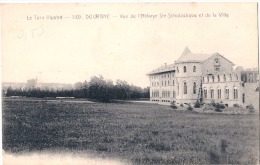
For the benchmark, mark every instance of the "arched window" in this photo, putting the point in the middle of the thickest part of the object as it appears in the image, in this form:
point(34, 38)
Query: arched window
point(194, 88)
point(207, 78)
point(173, 82)
point(205, 93)
point(185, 87)
point(226, 93)
point(219, 93)
point(213, 78)
point(194, 68)
point(173, 94)
point(235, 93)
point(184, 69)
point(212, 93)
point(224, 77)
point(230, 77)
point(177, 70)
point(218, 78)
point(216, 60)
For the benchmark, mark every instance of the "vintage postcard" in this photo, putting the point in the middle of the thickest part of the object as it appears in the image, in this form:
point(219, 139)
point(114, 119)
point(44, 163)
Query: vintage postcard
point(130, 83)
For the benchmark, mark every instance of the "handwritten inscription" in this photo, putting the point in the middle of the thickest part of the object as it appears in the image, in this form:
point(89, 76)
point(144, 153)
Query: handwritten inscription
point(33, 33)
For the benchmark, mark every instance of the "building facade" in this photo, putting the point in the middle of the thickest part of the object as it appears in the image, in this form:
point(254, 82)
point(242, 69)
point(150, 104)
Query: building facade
point(204, 77)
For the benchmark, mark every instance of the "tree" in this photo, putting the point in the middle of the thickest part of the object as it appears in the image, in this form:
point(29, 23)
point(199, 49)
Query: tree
point(100, 89)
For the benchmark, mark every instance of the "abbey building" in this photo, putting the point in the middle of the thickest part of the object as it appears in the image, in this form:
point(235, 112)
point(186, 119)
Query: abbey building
point(204, 77)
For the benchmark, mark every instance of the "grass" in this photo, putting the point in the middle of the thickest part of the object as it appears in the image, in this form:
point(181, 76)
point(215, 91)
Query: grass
point(139, 133)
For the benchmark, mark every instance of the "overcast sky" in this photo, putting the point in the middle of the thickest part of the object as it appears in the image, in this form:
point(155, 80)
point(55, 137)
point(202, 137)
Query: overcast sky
point(71, 50)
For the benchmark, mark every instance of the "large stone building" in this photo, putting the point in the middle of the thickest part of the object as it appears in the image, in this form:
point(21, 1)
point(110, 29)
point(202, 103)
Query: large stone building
point(204, 77)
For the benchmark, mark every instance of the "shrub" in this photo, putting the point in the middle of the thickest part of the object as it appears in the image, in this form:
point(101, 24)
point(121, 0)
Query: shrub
point(190, 108)
point(250, 108)
point(219, 106)
point(197, 104)
point(235, 105)
point(181, 105)
point(173, 105)
point(212, 103)
point(218, 110)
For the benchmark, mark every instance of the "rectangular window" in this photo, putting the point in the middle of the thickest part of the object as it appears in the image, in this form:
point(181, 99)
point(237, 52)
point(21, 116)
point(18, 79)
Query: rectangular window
point(212, 93)
point(205, 93)
point(235, 94)
point(219, 93)
point(185, 88)
point(227, 94)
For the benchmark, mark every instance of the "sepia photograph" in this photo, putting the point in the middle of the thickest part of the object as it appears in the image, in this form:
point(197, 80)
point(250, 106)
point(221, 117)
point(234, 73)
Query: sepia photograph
point(129, 83)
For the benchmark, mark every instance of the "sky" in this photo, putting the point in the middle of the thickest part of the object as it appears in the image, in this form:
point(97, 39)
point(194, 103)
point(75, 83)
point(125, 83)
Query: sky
point(71, 50)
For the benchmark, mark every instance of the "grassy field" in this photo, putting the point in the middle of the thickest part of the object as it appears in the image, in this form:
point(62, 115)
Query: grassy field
point(136, 132)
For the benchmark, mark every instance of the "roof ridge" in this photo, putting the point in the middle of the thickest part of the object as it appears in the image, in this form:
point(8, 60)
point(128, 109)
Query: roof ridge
point(186, 51)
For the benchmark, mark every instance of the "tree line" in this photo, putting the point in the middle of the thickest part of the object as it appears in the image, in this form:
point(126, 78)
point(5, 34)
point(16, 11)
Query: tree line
point(97, 89)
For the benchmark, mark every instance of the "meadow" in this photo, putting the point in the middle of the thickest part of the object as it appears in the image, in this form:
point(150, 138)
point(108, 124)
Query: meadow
point(138, 133)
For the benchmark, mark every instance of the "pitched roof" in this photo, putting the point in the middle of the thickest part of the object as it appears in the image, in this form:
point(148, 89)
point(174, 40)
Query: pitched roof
point(188, 56)
point(164, 68)
point(186, 51)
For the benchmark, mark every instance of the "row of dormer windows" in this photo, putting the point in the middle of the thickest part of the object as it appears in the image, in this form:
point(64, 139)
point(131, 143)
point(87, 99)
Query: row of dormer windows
point(219, 78)
point(194, 69)
point(162, 76)
point(163, 83)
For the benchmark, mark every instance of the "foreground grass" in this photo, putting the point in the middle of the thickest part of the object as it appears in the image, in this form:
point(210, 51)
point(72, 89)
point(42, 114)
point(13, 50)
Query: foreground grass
point(140, 133)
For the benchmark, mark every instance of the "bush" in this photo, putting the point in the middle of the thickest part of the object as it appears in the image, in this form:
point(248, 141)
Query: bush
point(218, 110)
point(235, 105)
point(197, 104)
point(250, 108)
point(181, 105)
point(212, 103)
point(190, 108)
point(173, 105)
point(220, 106)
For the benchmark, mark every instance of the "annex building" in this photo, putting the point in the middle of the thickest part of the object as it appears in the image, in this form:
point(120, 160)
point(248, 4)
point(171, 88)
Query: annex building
point(204, 77)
